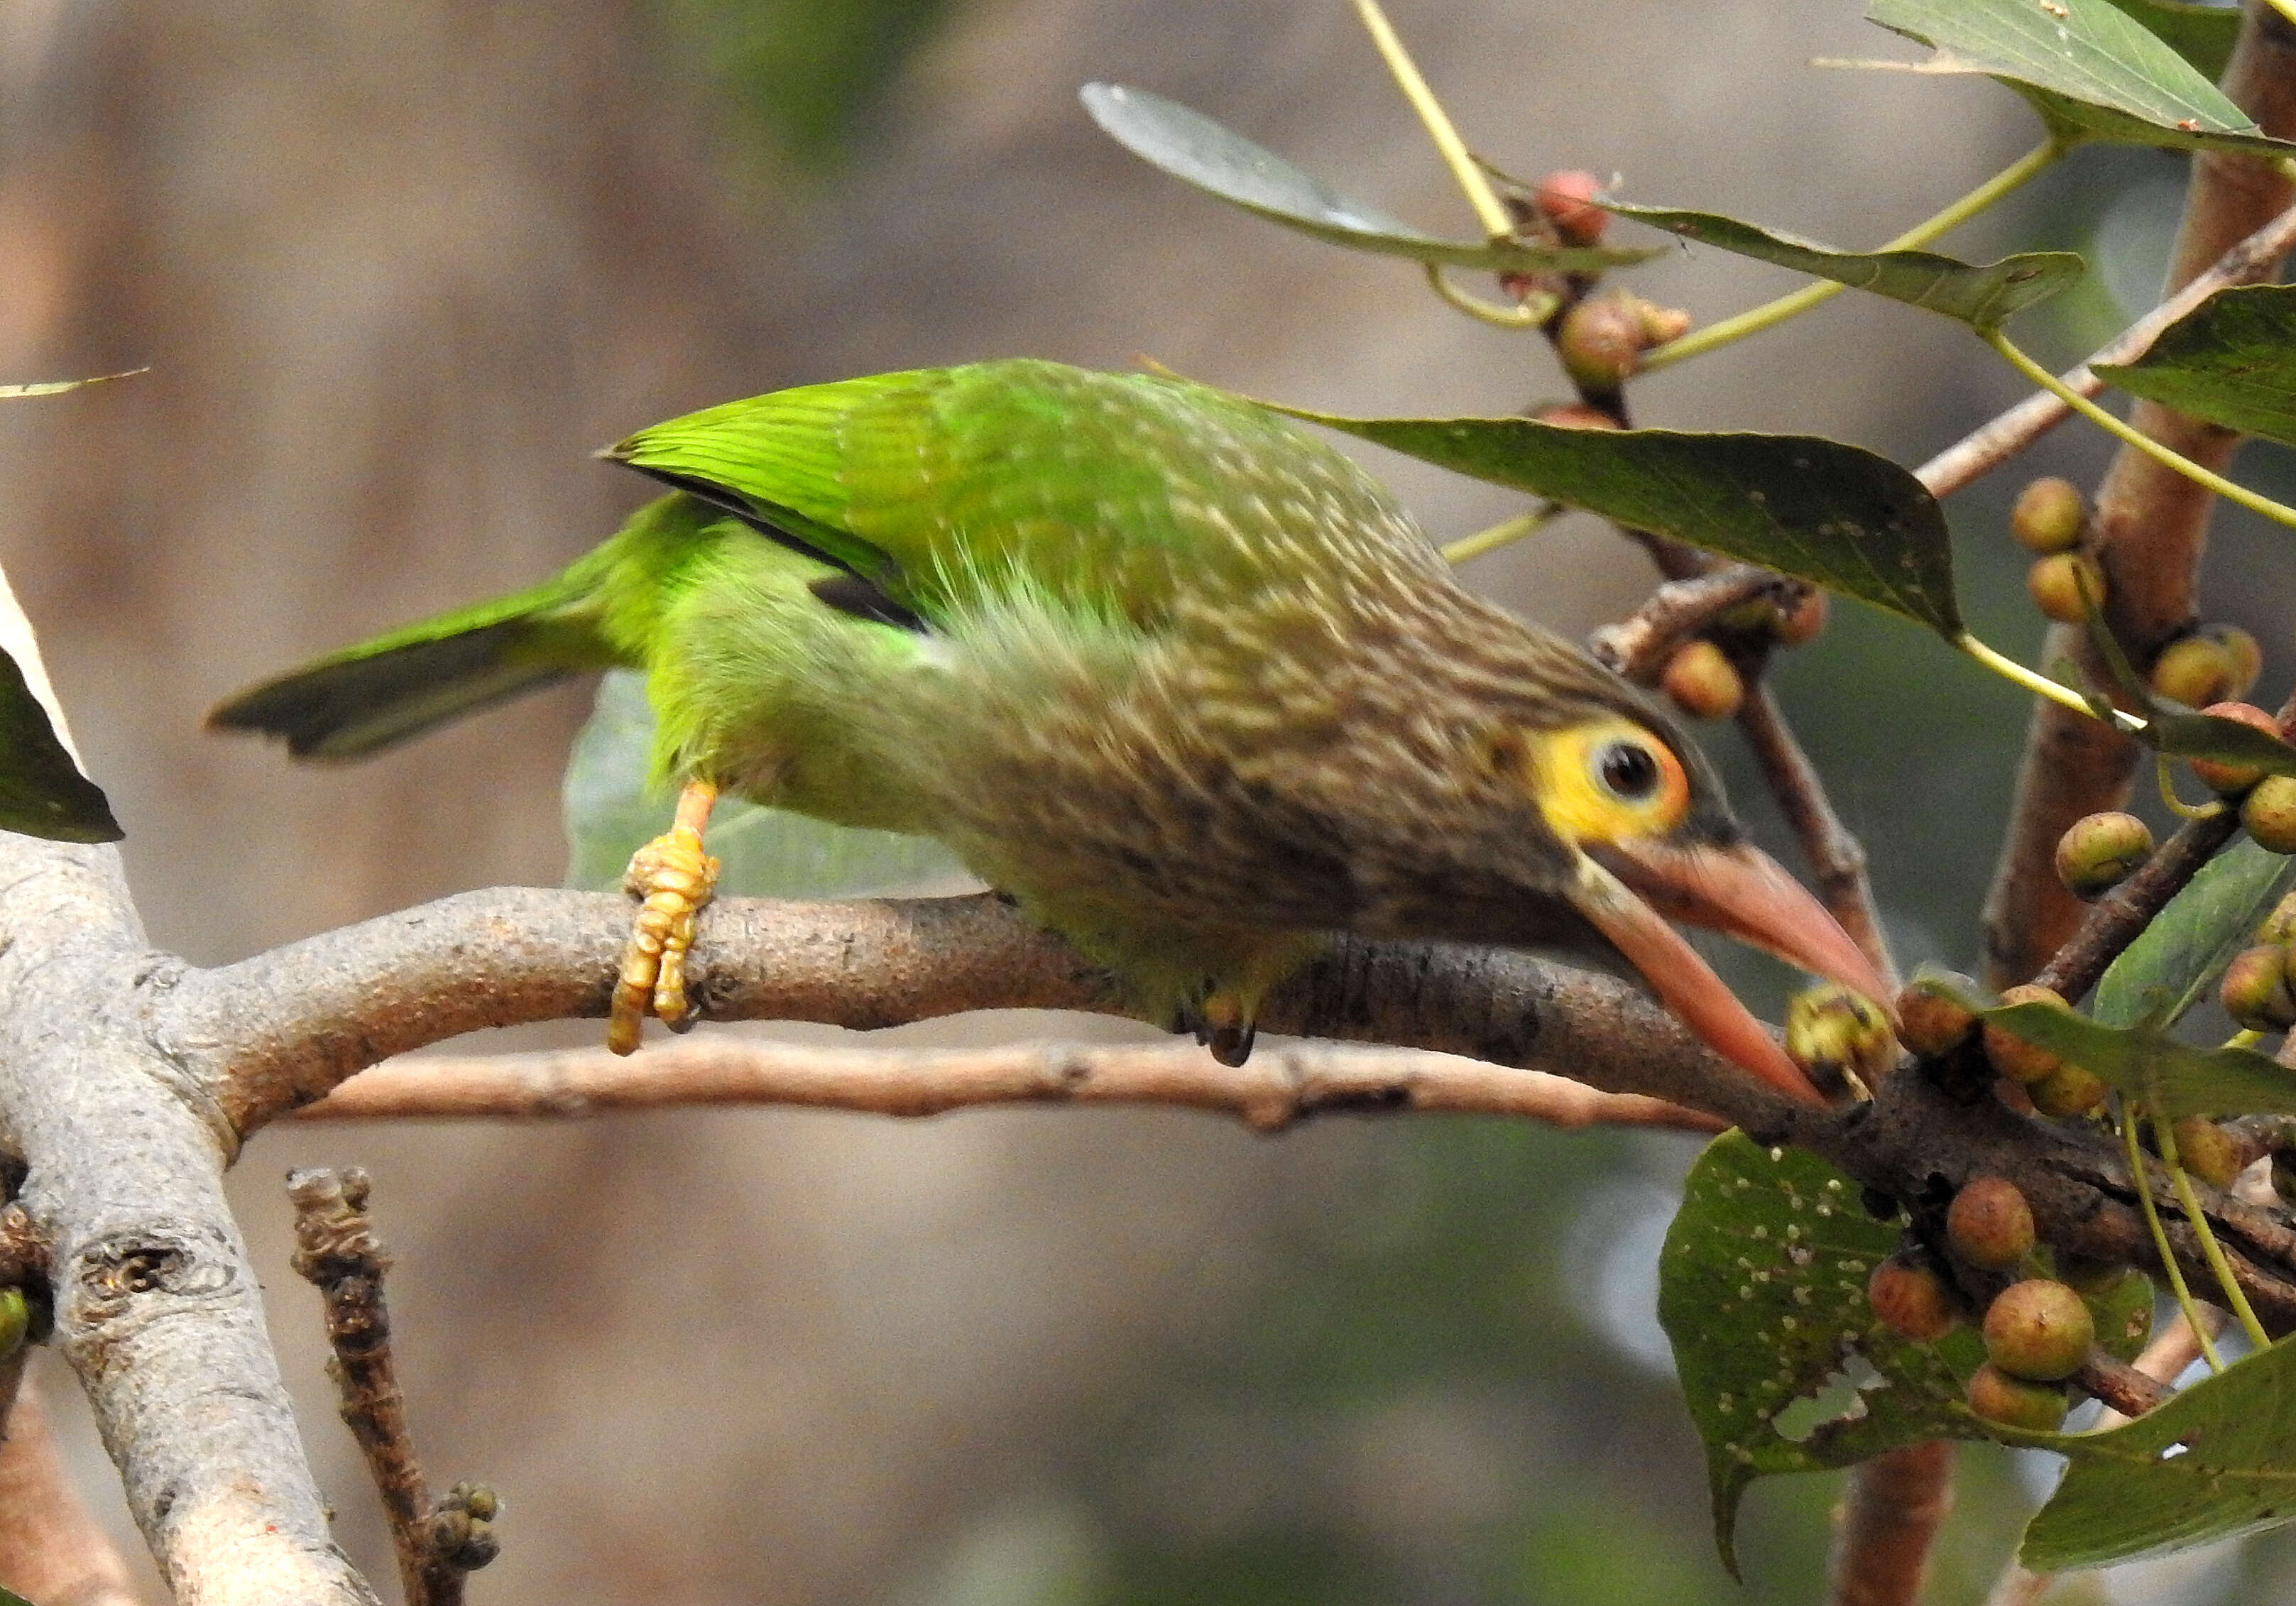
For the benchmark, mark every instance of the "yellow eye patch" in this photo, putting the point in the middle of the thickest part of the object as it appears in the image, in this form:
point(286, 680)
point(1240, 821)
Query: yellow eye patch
point(1605, 780)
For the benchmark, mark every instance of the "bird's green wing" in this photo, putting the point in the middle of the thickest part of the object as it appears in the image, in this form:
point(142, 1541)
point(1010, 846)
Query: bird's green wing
point(1104, 490)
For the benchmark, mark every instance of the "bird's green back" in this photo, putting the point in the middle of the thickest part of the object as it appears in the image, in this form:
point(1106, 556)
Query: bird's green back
point(1105, 493)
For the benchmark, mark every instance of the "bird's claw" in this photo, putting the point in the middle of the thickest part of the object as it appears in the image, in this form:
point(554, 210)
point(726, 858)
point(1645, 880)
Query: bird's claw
point(672, 878)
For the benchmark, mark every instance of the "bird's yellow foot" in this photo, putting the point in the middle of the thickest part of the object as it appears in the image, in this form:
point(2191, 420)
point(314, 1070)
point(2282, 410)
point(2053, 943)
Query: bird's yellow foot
point(672, 878)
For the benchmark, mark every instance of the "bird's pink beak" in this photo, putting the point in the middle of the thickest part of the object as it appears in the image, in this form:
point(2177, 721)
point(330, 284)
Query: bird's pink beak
point(1627, 890)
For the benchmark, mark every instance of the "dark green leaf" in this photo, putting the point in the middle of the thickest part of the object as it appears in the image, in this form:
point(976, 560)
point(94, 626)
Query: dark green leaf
point(1983, 298)
point(2202, 35)
point(1762, 1291)
point(2231, 360)
point(2174, 1079)
point(2090, 68)
point(1193, 148)
point(2216, 1460)
point(2173, 959)
point(763, 852)
point(42, 792)
point(1835, 515)
point(2123, 1314)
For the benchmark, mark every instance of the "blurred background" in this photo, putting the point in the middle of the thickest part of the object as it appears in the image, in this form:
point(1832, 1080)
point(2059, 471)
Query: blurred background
point(397, 270)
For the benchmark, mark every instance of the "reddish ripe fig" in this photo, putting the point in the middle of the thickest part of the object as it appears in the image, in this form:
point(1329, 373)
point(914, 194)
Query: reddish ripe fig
point(1566, 200)
point(1912, 1300)
point(2059, 583)
point(2269, 813)
point(2207, 1151)
point(1798, 625)
point(2038, 1330)
point(2255, 990)
point(2012, 1055)
point(2014, 1403)
point(2048, 516)
point(1702, 681)
point(2068, 1090)
point(2100, 851)
point(2196, 671)
point(2230, 778)
point(1575, 415)
point(1929, 1022)
point(1989, 1225)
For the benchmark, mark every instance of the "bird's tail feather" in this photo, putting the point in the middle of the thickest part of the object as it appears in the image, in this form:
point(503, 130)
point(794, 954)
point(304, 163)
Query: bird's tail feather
point(382, 692)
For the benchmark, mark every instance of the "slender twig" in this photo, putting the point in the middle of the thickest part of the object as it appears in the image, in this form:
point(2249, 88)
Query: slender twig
point(1890, 1511)
point(2126, 1390)
point(1277, 1088)
point(1837, 859)
point(2131, 1113)
point(1987, 447)
point(1465, 171)
point(1770, 314)
point(1638, 645)
point(2167, 456)
point(1503, 534)
point(2164, 1133)
point(337, 1253)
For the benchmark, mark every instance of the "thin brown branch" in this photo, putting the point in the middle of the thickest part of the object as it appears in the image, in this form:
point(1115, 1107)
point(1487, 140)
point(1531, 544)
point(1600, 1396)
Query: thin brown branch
point(52, 1550)
point(2148, 533)
point(2123, 1387)
point(2252, 261)
point(1637, 645)
point(1837, 859)
point(336, 1252)
point(1279, 1087)
point(1890, 1511)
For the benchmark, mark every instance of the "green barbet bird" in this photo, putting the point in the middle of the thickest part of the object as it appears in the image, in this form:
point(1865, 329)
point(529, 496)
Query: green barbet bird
point(1184, 681)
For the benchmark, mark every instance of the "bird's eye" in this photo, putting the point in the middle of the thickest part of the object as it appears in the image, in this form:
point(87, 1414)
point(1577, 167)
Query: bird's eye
point(1627, 770)
point(1606, 781)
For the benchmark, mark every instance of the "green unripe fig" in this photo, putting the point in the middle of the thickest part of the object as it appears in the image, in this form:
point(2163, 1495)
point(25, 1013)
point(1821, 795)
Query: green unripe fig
point(1912, 1301)
point(2196, 672)
point(2014, 1403)
point(1989, 1225)
point(1929, 1023)
point(2059, 583)
point(15, 1317)
point(2038, 1330)
point(2231, 778)
point(1702, 682)
point(2012, 1055)
point(2048, 516)
point(2068, 1090)
point(2100, 851)
point(1602, 341)
point(2255, 991)
point(2247, 657)
point(1833, 1033)
point(2207, 1151)
point(1565, 199)
point(2269, 814)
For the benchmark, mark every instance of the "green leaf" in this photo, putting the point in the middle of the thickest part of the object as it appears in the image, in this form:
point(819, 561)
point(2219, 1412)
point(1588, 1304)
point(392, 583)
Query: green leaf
point(2165, 971)
point(1194, 149)
point(1762, 1293)
point(42, 792)
point(2217, 1460)
point(57, 387)
point(2090, 68)
point(2231, 360)
point(2175, 1079)
point(2123, 1314)
point(1983, 298)
point(763, 852)
point(1835, 515)
point(2202, 35)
